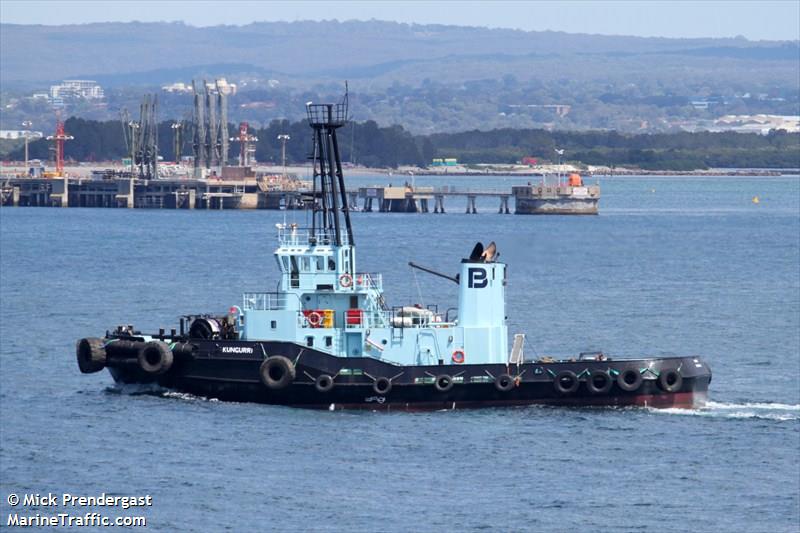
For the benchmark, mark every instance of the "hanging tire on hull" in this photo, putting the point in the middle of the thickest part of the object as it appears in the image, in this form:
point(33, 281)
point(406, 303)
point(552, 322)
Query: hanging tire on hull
point(670, 380)
point(504, 383)
point(566, 382)
point(155, 357)
point(599, 382)
point(323, 383)
point(382, 386)
point(443, 383)
point(629, 380)
point(277, 372)
point(91, 355)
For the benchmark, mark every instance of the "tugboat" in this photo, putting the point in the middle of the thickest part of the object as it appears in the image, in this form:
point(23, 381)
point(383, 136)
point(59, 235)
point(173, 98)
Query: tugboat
point(327, 338)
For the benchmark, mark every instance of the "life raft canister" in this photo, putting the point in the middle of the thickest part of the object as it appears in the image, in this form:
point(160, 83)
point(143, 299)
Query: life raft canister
point(458, 356)
point(346, 280)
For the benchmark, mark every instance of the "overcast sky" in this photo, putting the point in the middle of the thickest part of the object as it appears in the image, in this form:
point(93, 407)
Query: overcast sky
point(755, 20)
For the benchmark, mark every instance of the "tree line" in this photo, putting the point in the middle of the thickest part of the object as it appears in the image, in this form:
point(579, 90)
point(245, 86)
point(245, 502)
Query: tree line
point(368, 144)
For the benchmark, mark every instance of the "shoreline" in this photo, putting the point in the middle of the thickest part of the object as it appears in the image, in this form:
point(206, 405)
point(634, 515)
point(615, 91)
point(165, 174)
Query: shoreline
point(304, 171)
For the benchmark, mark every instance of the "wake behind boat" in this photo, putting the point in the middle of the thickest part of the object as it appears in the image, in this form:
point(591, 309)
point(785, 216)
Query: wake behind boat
point(328, 339)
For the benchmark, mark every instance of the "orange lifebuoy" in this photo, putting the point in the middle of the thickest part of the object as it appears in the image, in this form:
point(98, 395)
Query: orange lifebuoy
point(458, 356)
point(345, 280)
point(314, 319)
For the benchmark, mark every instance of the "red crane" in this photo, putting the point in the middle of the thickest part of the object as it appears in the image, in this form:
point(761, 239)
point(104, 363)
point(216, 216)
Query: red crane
point(246, 139)
point(58, 140)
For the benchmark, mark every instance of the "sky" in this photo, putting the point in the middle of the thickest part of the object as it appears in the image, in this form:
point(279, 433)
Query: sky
point(754, 20)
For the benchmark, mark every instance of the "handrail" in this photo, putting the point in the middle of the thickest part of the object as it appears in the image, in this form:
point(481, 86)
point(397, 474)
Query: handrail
point(266, 301)
point(296, 236)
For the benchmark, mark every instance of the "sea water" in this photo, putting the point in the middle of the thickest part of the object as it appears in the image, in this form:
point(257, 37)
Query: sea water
point(670, 266)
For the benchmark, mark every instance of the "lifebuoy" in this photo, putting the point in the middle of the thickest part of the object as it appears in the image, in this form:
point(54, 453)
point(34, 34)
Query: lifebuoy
point(458, 356)
point(382, 386)
point(670, 380)
point(629, 380)
point(323, 383)
point(566, 382)
point(277, 372)
point(155, 357)
point(599, 382)
point(504, 383)
point(314, 319)
point(345, 280)
point(443, 383)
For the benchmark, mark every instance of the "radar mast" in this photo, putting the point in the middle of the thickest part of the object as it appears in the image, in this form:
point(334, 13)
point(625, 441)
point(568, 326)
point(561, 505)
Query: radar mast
point(330, 196)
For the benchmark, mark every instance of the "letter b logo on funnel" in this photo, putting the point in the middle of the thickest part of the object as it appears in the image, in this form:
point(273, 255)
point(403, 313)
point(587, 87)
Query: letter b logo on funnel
point(477, 278)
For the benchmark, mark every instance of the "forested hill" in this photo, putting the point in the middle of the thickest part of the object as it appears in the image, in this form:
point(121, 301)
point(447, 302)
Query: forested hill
point(380, 51)
point(430, 78)
point(368, 144)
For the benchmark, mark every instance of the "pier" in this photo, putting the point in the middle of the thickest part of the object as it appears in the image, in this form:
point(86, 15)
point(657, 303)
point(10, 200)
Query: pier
point(126, 192)
point(418, 199)
point(213, 193)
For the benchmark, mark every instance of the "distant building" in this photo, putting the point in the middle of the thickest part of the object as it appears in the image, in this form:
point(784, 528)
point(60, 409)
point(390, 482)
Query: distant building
point(178, 87)
point(224, 87)
point(86, 89)
point(562, 110)
point(20, 134)
point(762, 124)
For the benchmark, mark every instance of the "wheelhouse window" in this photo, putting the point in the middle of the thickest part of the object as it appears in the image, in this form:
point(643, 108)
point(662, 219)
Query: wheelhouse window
point(295, 273)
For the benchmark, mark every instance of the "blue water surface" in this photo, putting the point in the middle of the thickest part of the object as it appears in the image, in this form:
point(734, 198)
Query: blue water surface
point(671, 266)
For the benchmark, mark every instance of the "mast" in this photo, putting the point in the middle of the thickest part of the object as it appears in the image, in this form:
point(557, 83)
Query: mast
point(199, 131)
point(325, 119)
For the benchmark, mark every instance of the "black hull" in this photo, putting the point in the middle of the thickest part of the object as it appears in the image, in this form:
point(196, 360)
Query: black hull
point(206, 370)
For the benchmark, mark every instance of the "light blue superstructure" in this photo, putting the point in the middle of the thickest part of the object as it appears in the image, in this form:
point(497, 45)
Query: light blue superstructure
point(323, 302)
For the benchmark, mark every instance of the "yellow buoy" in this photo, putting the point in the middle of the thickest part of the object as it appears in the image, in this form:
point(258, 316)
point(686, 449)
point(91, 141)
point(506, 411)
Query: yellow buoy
point(756, 199)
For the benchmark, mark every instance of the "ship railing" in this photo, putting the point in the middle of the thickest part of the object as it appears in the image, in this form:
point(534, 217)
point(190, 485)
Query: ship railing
point(292, 235)
point(392, 318)
point(369, 280)
point(264, 301)
point(452, 189)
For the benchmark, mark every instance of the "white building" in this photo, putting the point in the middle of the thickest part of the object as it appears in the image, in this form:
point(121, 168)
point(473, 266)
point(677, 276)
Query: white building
point(20, 134)
point(762, 124)
point(178, 87)
point(224, 87)
point(87, 89)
